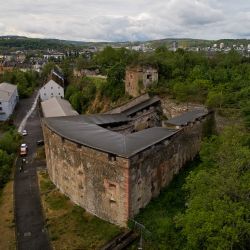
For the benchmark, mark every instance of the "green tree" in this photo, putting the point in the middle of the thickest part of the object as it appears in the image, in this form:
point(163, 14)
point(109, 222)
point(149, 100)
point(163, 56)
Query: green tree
point(215, 99)
point(10, 141)
point(218, 205)
point(47, 69)
point(5, 167)
point(75, 100)
point(245, 110)
point(115, 82)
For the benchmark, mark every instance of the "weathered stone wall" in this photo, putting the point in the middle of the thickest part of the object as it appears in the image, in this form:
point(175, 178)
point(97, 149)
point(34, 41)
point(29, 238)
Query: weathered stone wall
point(90, 178)
point(150, 75)
point(147, 118)
point(132, 78)
point(131, 103)
point(137, 79)
point(115, 188)
point(154, 168)
point(171, 108)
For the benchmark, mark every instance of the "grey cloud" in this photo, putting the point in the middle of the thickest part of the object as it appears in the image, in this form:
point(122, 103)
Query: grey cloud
point(118, 20)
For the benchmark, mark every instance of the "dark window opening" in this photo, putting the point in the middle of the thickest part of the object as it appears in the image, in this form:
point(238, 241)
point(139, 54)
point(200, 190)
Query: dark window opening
point(111, 185)
point(112, 201)
point(112, 157)
point(149, 77)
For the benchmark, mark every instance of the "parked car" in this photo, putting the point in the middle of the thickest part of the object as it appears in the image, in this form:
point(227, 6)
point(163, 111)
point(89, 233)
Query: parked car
point(24, 132)
point(40, 142)
point(23, 149)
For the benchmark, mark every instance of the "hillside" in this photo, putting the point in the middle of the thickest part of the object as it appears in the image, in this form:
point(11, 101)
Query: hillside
point(25, 43)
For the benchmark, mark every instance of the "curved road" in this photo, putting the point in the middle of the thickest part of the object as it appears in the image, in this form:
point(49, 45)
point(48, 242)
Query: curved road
point(30, 226)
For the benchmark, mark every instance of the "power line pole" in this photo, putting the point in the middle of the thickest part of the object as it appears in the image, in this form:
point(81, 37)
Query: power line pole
point(142, 229)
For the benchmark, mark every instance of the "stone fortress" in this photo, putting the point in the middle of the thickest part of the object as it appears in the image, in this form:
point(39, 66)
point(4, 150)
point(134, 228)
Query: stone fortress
point(138, 78)
point(113, 164)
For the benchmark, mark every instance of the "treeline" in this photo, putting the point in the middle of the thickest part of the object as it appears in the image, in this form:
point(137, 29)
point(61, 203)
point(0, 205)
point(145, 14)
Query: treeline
point(26, 81)
point(218, 203)
point(221, 81)
point(9, 144)
point(24, 43)
point(207, 206)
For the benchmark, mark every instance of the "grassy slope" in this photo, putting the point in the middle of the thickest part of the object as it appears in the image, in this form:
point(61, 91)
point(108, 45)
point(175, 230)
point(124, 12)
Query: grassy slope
point(7, 227)
point(70, 226)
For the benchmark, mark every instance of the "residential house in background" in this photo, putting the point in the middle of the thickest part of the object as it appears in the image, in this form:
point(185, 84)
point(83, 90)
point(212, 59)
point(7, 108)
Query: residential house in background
point(7, 67)
point(8, 100)
point(54, 55)
point(139, 78)
point(51, 89)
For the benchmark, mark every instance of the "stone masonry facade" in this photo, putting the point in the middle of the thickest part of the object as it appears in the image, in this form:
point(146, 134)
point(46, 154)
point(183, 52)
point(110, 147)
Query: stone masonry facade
point(137, 79)
point(112, 187)
point(90, 178)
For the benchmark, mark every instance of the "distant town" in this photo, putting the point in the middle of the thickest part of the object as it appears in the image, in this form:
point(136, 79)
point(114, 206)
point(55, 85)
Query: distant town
point(34, 59)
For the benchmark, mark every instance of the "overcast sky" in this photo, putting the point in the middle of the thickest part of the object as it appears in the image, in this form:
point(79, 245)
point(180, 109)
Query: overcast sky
point(130, 20)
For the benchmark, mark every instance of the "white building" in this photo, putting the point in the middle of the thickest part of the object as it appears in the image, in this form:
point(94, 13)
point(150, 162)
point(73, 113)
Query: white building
point(222, 45)
point(54, 56)
point(51, 89)
point(8, 100)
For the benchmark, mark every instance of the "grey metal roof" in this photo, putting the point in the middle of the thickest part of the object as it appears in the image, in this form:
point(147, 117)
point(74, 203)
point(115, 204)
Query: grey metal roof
point(131, 103)
point(94, 136)
point(57, 106)
point(187, 117)
point(98, 119)
point(6, 91)
point(141, 106)
point(52, 82)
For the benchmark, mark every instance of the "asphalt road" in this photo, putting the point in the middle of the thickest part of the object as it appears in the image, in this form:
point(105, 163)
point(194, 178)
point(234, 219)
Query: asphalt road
point(30, 226)
point(22, 108)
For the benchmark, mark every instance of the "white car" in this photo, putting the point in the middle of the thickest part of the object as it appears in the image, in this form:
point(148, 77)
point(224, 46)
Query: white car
point(24, 132)
point(23, 149)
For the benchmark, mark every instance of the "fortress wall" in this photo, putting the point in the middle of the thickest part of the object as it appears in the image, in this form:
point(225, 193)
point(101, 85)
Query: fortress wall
point(90, 178)
point(154, 168)
point(115, 188)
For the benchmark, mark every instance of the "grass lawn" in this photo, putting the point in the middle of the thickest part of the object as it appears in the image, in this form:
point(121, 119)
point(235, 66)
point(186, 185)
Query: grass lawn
point(159, 215)
point(7, 226)
point(70, 226)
